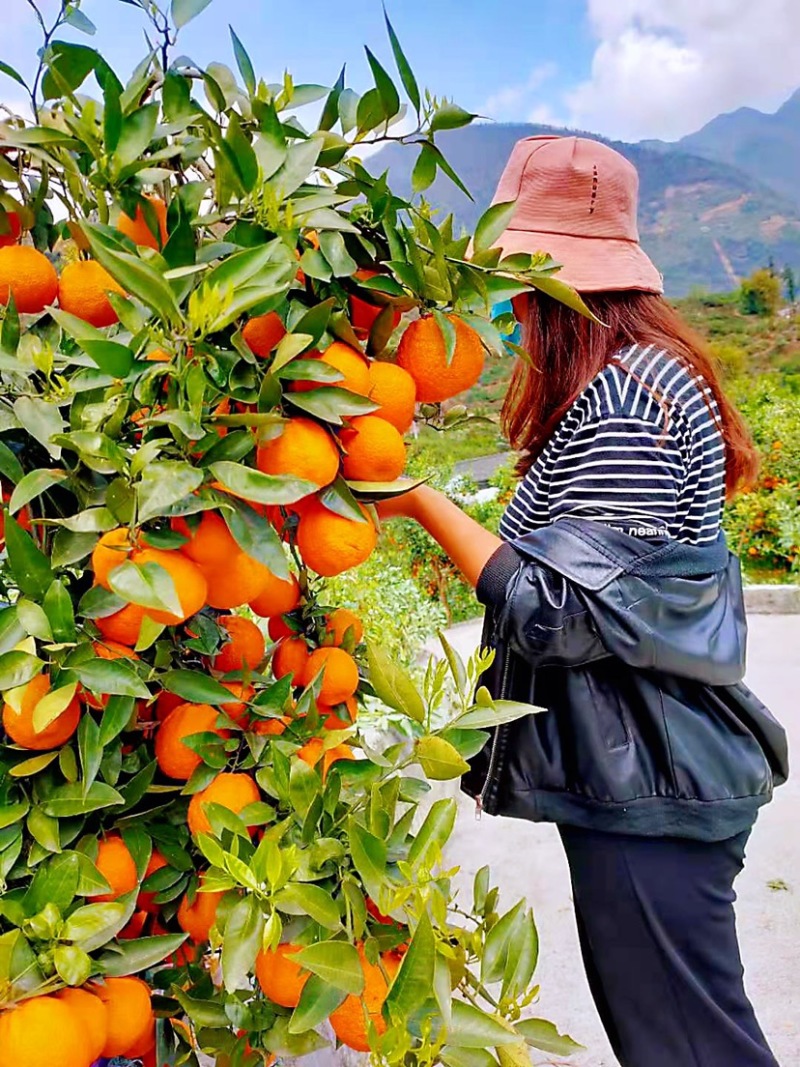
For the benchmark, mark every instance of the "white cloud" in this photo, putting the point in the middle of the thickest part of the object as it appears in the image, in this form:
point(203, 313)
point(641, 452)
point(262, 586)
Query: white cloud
point(512, 101)
point(662, 68)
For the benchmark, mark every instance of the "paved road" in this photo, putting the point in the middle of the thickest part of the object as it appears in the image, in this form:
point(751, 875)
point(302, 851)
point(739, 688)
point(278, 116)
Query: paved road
point(526, 860)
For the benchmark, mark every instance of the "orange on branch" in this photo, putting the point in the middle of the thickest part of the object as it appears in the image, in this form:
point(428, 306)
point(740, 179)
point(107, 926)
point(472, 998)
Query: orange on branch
point(146, 899)
point(18, 720)
point(348, 1020)
point(338, 716)
point(304, 450)
point(277, 627)
point(190, 584)
point(210, 541)
point(349, 362)
point(396, 392)
point(28, 1027)
point(232, 790)
point(167, 702)
point(374, 450)
point(124, 626)
point(314, 750)
point(362, 313)
point(281, 979)
point(422, 353)
point(111, 550)
point(244, 648)
point(292, 657)
point(30, 276)
point(14, 230)
point(339, 674)
point(235, 581)
point(330, 543)
point(263, 332)
point(116, 864)
point(196, 917)
point(237, 709)
point(342, 623)
point(269, 727)
point(144, 1045)
point(129, 1013)
point(83, 291)
point(174, 758)
point(90, 1012)
point(278, 597)
point(137, 228)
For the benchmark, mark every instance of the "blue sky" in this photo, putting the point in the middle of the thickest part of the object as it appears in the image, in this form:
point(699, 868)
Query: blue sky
point(625, 68)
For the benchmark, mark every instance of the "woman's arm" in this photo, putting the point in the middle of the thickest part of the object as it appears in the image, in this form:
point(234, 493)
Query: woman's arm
point(464, 540)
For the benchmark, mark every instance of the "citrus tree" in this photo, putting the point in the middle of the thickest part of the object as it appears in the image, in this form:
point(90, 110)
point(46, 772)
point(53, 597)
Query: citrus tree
point(199, 850)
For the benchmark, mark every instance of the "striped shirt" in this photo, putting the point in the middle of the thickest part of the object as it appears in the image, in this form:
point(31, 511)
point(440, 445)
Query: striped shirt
point(640, 450)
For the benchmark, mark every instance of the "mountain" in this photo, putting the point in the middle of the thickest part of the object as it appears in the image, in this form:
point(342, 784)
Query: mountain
point(765, 146)
point(705, 222)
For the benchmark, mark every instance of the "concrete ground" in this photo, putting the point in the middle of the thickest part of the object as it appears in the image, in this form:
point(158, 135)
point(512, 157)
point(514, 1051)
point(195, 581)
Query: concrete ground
point(526, 861)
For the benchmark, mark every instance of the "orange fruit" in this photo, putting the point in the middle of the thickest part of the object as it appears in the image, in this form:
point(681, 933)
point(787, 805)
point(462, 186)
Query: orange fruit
point(277, 627)
point(343, 623)
point(197, 916)
point(113, 650)
point(422, 353)
point(362, 313)
point(30, 276)
point(188, 579)
point(313, 751)
point(291, 657)
point(137, 228)
point(18, 724)
point(281, 979)
point(304, 450)
point(145, 1044)
point(174, 758)
point(339, 674)
point(396, 392)
point(82, 291)
point(348, 361)
point(167, 702)
point(235, 581)
point(111, 550)
point(14, 230)
point(278, 597)
point(233, 791)
point(374, 450)
point(146, 900)
point(332, 720)
point(237, 709)
point(330, 543)
point(42, 1030)
point(269, 727)
point(263, 333)
point(244, 648)
point(128, 1011)
point(90, 1012)
point(211, 542)
point(124, 626)
point(348, 1020)
point(117, 866)
point(158, 355)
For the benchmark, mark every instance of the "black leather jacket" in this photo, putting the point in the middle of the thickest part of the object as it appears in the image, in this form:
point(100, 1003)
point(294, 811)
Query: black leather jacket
point(636, 650)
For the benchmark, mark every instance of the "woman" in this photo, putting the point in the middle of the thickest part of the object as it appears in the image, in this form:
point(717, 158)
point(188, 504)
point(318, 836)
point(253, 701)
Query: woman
point(613, 603)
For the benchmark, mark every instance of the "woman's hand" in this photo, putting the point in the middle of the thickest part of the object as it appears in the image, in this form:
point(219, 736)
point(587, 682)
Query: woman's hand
point(464, 540)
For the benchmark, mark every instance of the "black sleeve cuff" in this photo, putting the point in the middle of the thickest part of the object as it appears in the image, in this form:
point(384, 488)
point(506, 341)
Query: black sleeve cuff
point(495, 576)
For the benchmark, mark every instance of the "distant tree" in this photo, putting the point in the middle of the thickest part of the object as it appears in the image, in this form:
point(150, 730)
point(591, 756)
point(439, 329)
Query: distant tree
point(789, 284)
point(771, 266)
point(760, 294)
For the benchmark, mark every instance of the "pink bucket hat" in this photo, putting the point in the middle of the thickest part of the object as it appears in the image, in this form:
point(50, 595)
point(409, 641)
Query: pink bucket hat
point(577, 200)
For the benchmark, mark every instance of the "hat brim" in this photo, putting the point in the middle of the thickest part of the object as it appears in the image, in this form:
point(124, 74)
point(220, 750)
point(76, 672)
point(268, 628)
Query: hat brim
point(589, 264)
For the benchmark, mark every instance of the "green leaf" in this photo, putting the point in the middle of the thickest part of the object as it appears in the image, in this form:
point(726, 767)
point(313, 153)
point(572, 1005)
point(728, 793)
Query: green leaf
point(12, 813)
point(492, 223)
point(335, 962)
point(76, 18)
point(106, 677)
point(29, 565)
point(135, 275)
point(412, 986)
point(10, 466)
point(140, 954)
point(439, 760)
point(116, 716)
point(317, 1000)
point(206, 1013)
point(184, 11)
point(17, 668)
point(434, 832)
point(73, 965)
point(195, 687)
point(473, 1028)
point(332, 404)
point(147, 584)
point(135, 136)
point(67, 801)
point(448, 332)
point(90, 749)
point(500, 941)
point(330, 112)
point(304, 786)
point(27, 769)
point(541, 1034)
point(41, 419)
point(404, 68)
point(257, 537)
point(5, 68)
point(261, 488)
point(244, 927)
point(390, 98)
point(338, 498)
point(94, 925)
point(456, 664)
point(53, 704)
point(369, 857)
point(32, 485)
point(561, 292)
point(424, 173)
point(243, 63)
point(10, 330)
point(392, 685)
point(450, 117)
point(55, 882)
point(307, 899)
point(502, 711)
point(451, 174)
point(68, 67)
point(58, 608)
point(522, 960)
point(163, 484)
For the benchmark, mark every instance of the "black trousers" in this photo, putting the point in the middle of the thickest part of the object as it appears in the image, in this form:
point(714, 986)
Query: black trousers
point(658, 935)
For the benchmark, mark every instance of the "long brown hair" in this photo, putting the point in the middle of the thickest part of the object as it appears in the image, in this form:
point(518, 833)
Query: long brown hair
point(567, 350)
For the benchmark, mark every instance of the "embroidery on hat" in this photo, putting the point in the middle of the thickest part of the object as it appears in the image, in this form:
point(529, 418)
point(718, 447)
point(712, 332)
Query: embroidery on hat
point(594, 190)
